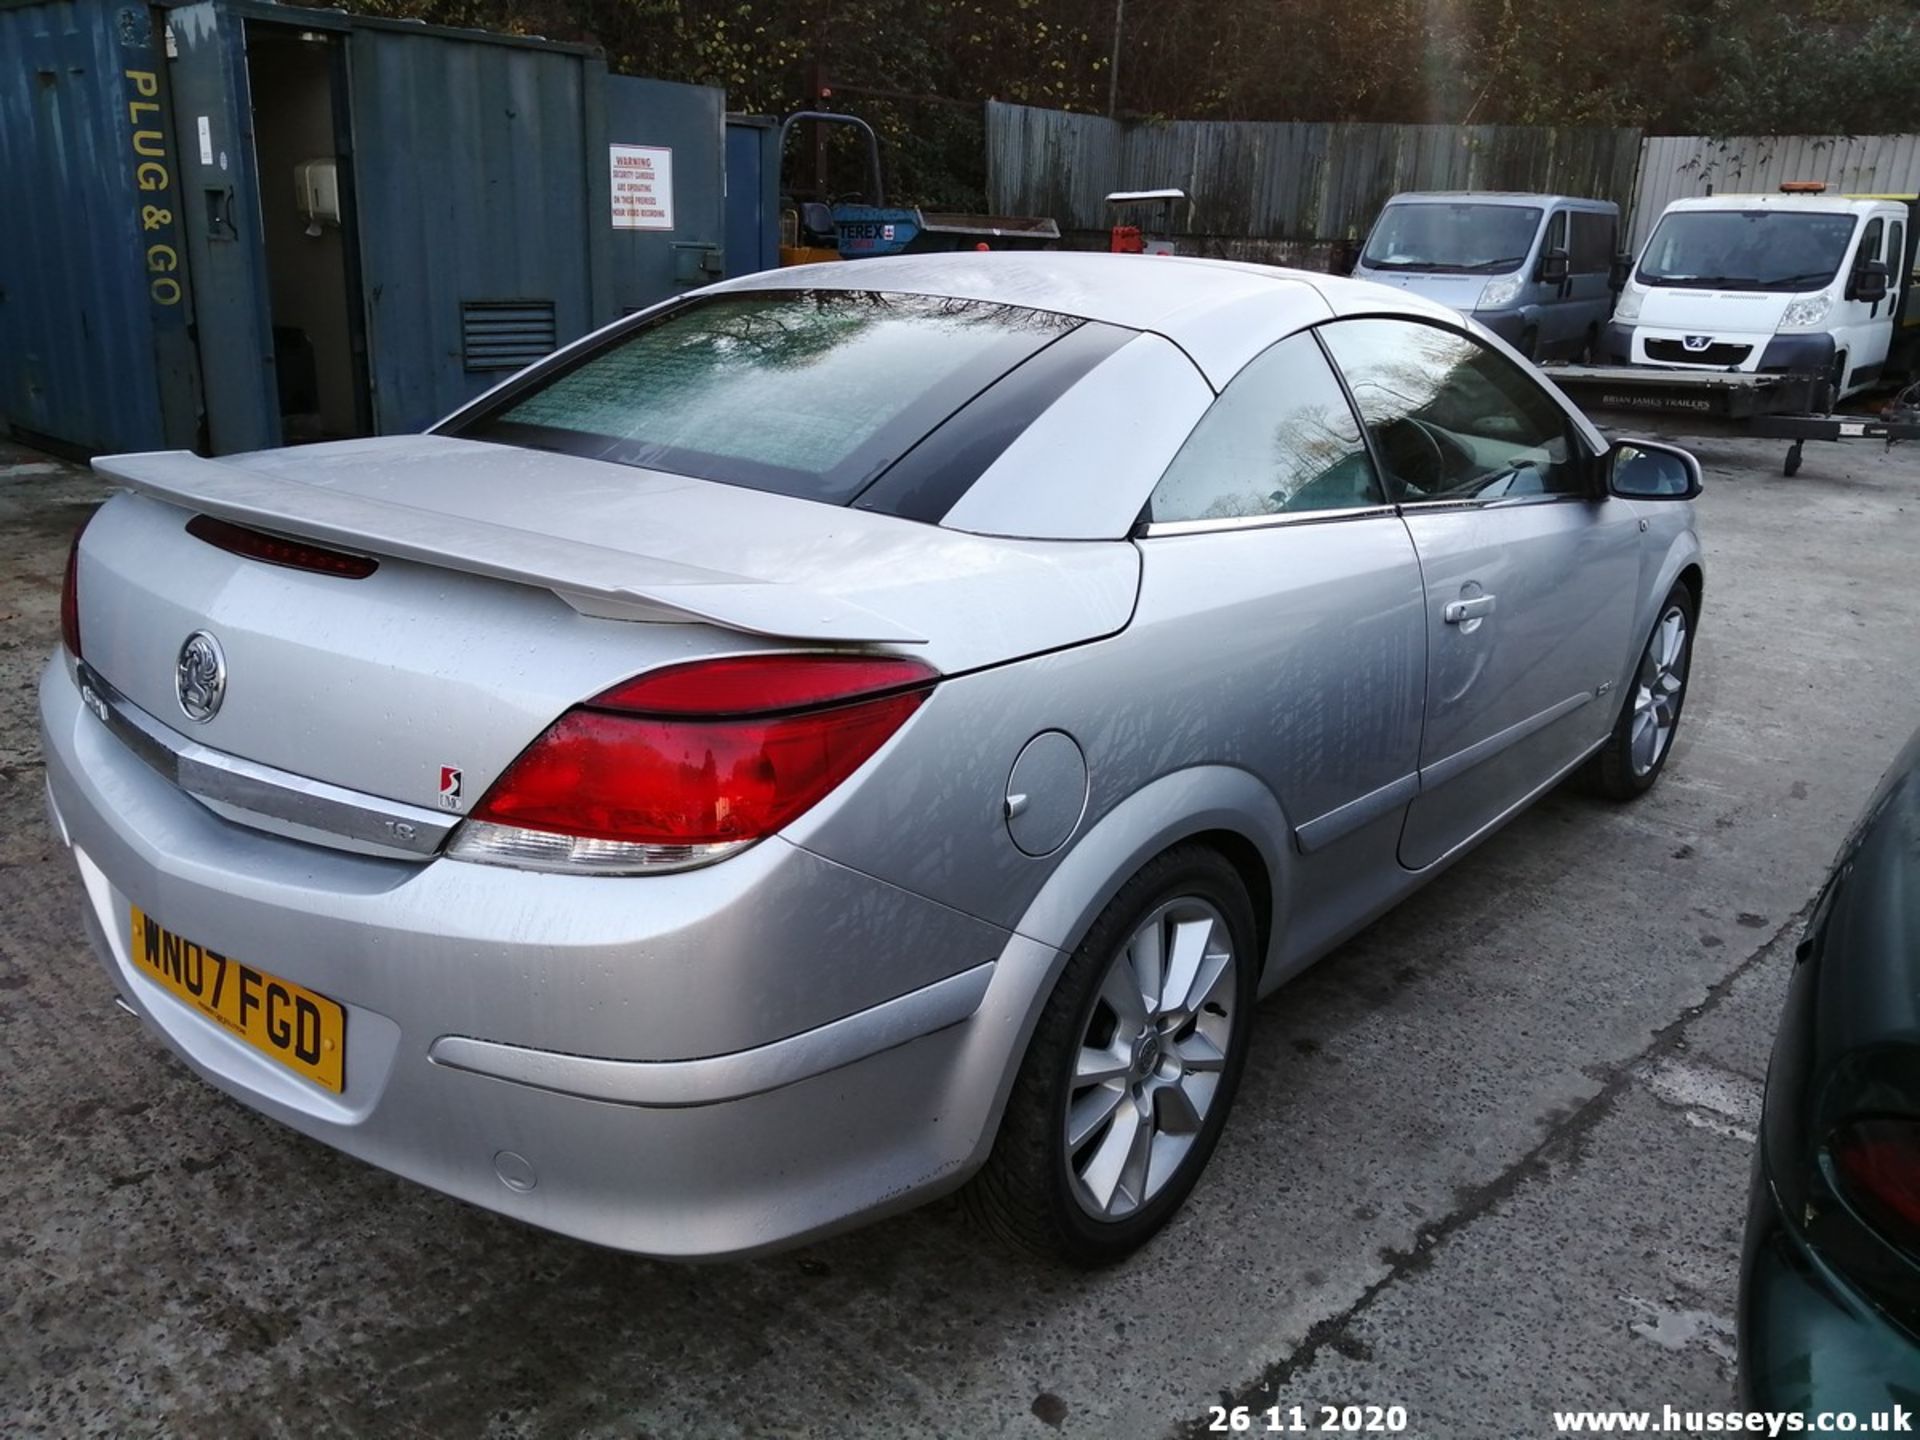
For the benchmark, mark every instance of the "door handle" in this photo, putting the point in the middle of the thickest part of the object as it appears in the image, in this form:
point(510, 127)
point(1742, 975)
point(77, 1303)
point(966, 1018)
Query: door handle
point(220, 213)
point(1458, 612)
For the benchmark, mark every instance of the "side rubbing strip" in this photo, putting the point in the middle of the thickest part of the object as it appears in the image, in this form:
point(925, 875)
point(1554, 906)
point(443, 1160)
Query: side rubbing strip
point(926, 482)
point(1461, 761)
point(1327, 828)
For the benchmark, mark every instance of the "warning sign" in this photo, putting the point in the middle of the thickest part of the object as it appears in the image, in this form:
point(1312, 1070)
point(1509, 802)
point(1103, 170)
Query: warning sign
point(642, 187)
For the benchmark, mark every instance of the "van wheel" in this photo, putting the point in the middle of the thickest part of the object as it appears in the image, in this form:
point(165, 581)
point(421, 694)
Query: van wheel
point(1132, 1067)
point(1836, 381)
point(1590, 347)
point(1530, 344)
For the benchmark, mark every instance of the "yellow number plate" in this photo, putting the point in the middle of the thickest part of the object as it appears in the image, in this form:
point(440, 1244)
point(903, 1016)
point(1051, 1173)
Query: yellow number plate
point(305, 1032)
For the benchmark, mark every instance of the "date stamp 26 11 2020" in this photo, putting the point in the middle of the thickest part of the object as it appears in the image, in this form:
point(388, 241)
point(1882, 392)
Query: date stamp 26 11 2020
point(1307, 1419)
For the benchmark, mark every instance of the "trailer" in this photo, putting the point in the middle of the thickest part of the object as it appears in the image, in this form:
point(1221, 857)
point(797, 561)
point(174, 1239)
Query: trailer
point(1710, 394)
point(1899, 423)
point(1775, 407)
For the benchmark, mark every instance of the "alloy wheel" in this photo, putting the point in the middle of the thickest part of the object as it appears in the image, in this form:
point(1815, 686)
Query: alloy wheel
point(1661, 682)
point(1150, 1057)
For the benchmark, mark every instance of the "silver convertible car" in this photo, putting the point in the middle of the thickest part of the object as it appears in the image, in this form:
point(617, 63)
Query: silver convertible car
point(846, 732)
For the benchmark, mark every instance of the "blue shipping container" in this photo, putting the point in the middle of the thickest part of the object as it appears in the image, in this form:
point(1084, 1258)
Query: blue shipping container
point(251, 224)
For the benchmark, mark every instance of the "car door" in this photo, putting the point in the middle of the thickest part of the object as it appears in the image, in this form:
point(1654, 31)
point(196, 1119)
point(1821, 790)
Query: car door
point(1899, 269)
point(1864, 329)
point(1531, 577)
point(1559, 322)
point(1593, 238)
point(1282, 616)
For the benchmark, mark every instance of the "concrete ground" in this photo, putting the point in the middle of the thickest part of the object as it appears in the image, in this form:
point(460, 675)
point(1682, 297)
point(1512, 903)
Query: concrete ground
point(1490, 1158)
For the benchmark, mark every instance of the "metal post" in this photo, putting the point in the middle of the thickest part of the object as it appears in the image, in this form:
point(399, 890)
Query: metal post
point(1113, 69)
point(816, 92)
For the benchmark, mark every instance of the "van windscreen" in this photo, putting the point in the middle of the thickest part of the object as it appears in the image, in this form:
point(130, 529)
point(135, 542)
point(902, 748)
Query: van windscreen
point(1464, 238)
point(1746, 250)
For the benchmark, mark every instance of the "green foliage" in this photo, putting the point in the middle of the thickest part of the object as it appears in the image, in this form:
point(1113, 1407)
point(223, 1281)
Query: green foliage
point(917, 69)
point(1842, 67)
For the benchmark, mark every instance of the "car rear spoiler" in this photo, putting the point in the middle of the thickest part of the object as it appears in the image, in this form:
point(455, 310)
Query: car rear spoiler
point(593, 579)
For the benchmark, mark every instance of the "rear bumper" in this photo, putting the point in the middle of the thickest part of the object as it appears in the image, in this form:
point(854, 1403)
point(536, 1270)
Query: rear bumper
point(704, 1064)
point(1808, 1341)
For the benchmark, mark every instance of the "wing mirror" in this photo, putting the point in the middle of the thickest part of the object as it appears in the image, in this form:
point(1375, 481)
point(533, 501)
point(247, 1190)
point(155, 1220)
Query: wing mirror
point(1618, 271)
point(1869, 282)
point(1649, 470)
point(1555, 266)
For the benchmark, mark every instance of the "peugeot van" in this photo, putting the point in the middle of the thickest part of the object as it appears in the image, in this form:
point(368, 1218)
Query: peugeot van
point(1798, 283)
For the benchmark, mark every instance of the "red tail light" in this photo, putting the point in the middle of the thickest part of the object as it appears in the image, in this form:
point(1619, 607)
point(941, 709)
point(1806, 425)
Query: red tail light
point(683, 765)
point(275, 550)
point(1878, 1163)
point(762, 684)
point(70, 596)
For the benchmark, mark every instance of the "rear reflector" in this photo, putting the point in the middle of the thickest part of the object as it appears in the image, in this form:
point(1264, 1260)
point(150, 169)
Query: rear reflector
point(547, 850)
point(685, 765)
point(276, 550)
point(1878, 1163)
point(70, 595)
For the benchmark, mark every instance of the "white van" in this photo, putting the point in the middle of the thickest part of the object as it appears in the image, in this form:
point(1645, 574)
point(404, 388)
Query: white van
point(1800, 283)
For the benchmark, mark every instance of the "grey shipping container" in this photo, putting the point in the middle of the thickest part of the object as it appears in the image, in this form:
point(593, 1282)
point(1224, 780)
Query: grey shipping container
point(249, 224)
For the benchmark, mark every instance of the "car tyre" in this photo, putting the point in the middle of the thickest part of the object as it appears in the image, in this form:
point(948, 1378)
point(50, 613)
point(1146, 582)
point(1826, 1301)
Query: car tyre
point(1038, 1189)
point(1627, 766)
point(1530, 344)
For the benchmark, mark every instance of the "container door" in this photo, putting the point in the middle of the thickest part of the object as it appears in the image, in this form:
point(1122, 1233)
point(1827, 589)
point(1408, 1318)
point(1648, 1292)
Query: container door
point(753, 195)
point(471, 166)
point(666, 154)
point(220, 210)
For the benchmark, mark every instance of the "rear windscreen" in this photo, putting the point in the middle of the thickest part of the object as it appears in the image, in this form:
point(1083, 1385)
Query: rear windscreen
point(808, 393)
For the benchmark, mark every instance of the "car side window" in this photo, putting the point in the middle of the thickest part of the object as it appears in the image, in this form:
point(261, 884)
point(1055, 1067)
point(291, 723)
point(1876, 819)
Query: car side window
point(1870, 240)
point(1593, 243)
point(1280, 439)
point(1557, 232)
point(1453, 419)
